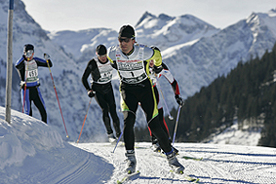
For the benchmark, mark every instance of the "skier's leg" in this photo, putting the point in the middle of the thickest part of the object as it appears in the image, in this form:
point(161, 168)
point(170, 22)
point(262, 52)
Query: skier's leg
point(129, 105)
point(149, 105)
point(27, 103)
point(105, 117)
point(163, 122)
point(39, 103)
point(112, 110)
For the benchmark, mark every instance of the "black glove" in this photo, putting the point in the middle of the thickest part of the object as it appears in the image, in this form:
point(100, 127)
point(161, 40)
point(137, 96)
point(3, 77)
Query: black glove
point(157, 69)
point(91, 93)
point(46, 56)
point(179, 100)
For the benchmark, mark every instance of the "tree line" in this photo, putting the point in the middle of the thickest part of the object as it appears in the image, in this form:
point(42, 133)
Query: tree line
point(246, 94)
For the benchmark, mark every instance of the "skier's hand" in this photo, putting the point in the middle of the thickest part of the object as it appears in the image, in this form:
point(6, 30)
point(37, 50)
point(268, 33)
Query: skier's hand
point(179, 100)
point(91, 93)
point(22, 84)
point(157, 69)
point(46, 56)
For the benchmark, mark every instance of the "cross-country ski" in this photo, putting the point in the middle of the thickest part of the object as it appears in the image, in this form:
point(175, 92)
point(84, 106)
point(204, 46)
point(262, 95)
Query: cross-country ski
point(128, 177)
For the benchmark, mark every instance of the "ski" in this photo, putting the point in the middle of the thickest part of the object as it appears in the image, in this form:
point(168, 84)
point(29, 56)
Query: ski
point(128, 177)
point(192, 158)
point(192, 179)
point(189, 178)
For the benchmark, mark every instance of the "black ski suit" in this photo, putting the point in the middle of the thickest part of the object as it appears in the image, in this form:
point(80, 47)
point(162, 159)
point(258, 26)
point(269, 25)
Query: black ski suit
point(101, 83)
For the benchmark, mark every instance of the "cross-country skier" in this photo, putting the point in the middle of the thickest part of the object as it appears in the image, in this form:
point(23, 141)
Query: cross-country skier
point(27, 67)
point(132, 64)
point(154, 77)
point(101, 71)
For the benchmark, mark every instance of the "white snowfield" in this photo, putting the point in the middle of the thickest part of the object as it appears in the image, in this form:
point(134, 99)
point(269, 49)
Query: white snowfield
point(33, 152)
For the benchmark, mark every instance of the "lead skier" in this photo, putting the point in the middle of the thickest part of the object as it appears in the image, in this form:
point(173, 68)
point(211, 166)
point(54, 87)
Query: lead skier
point(132, 64)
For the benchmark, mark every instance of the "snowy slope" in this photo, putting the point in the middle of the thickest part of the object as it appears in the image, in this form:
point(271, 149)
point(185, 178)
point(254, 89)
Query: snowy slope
point(33, 152)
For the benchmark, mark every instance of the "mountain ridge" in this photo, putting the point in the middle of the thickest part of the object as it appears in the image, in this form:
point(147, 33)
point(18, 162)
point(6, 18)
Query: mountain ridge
point(195, 54)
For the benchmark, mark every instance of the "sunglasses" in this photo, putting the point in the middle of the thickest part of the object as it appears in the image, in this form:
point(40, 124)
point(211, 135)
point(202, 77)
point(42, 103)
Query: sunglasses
point(125, 40)
point(29, 53)
point(102, 56)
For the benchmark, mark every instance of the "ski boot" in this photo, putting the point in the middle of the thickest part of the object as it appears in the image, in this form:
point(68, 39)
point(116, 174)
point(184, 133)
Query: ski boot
point(131, 161)
point(111, 138)
point(175, 150)
point(155, 146)
point(174, 164)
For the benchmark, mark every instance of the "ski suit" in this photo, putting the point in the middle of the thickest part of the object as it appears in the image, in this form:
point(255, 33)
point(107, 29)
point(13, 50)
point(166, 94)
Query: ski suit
point(101, 83)
point(28, 73)
point(136, 86)
point(154, 77)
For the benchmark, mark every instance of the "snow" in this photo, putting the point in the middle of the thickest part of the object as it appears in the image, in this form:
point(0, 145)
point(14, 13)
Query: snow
point(236, 136)
point(34, 152)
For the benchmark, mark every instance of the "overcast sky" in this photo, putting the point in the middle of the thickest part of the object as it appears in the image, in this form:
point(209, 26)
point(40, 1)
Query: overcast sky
point(54, 15)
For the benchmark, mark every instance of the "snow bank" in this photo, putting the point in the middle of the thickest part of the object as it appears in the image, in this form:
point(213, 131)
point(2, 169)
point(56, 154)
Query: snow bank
point(34, 152)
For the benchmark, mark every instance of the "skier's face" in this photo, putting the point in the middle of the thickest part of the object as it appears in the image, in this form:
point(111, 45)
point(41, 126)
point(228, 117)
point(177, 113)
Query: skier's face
point(103, 58)
point(126, 44)
point(151, 63)
point(29, 54)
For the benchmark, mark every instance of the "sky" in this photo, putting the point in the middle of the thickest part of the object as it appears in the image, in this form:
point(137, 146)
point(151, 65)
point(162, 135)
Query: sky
point(34, 152)
point(56, 15)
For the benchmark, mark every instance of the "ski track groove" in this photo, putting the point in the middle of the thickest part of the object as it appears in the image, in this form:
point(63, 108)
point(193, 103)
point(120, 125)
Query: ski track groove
point(223, 166)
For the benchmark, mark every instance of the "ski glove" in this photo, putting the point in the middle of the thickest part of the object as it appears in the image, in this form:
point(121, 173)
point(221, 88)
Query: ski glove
point(179, 100)
point(46, 56)
point(91, 93)
point(157, 69)
point(22, 84)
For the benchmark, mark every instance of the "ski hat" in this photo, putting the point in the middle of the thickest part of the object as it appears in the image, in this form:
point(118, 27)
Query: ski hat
point(127, 31)
point(101, 50)
point(28, 47)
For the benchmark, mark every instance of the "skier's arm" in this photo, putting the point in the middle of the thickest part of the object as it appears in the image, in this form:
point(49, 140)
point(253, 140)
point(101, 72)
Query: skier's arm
point(111, 56)
point(157, 59)
point(85, 76)
point(20, 66)
point(168, 75)
point(42, 62)
point(113, 63)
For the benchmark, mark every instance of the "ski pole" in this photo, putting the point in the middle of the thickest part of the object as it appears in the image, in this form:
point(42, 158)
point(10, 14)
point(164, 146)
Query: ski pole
point(25, 87)
point(117, 142)
point(84, 120)
point(170, 116)
point(57, 97)
point(176, 124)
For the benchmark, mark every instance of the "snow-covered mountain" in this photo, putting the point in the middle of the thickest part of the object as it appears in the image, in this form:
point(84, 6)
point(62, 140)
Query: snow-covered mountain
point(195, 51)
point(67, 76)
point(199, 62)
point(33, 152)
